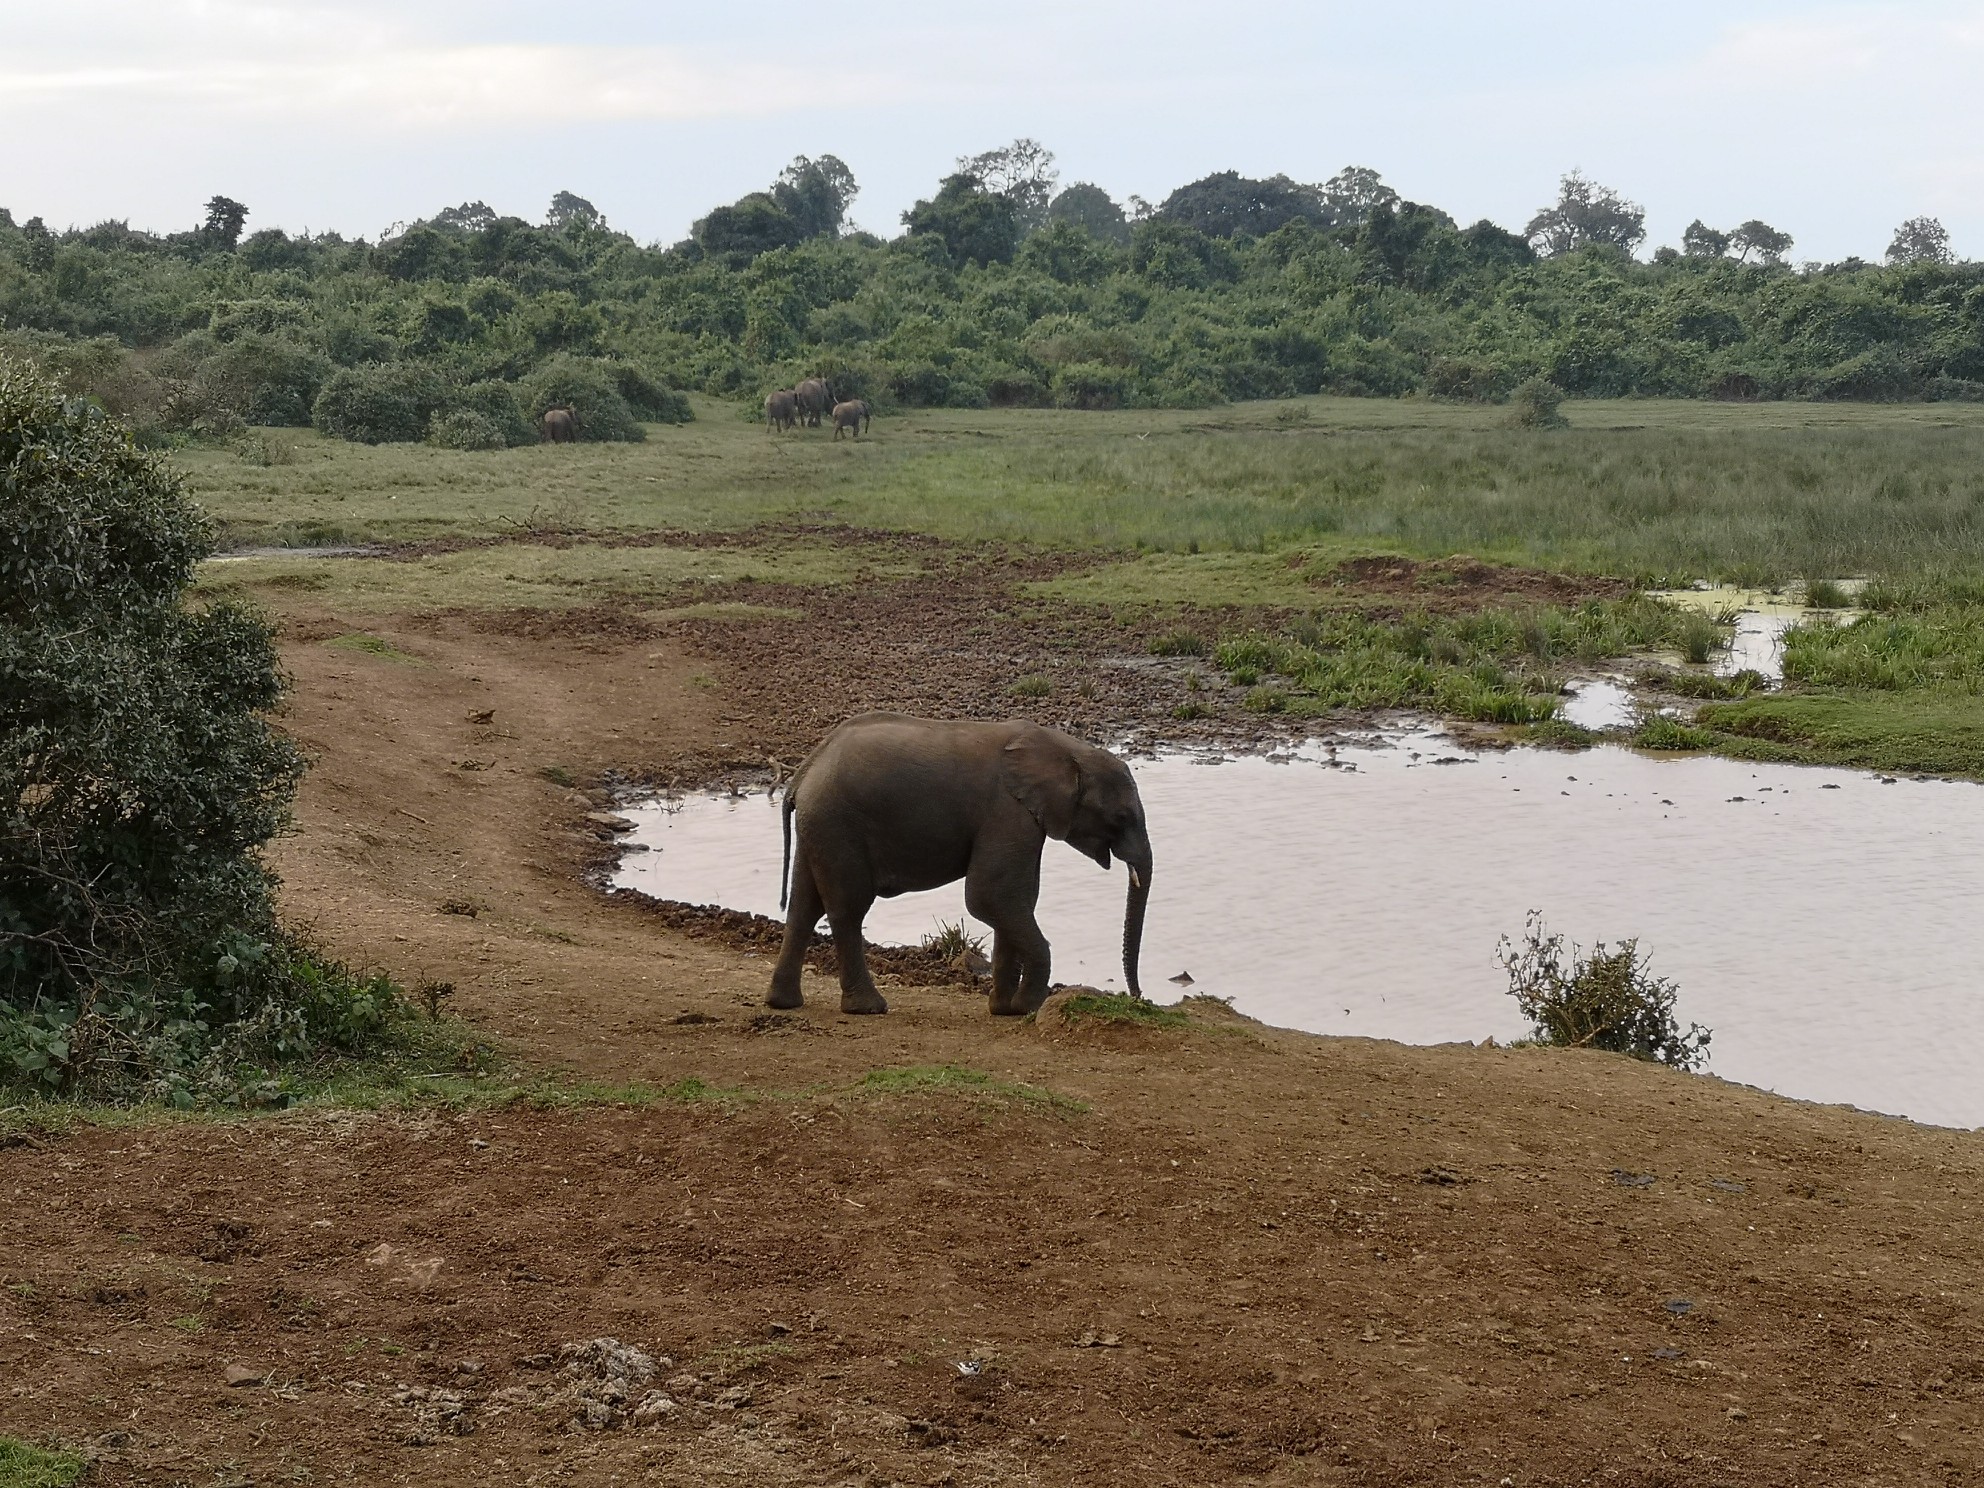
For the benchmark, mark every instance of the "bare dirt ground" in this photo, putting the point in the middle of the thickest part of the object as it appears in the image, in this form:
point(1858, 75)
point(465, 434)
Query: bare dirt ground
point(1222, 1253)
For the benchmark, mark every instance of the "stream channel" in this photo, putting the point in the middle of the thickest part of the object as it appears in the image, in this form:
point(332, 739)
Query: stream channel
point(1818, 920)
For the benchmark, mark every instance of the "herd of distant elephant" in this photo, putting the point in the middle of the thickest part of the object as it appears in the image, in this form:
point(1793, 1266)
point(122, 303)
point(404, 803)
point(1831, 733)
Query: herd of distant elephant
point(811, 400)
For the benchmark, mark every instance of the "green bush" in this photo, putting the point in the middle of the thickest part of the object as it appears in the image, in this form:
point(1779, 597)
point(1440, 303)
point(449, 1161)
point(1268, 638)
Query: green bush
point(139, 778)
point(1539, 404)
point(265, 379)
point(464, 429)
point(380, 402)
point(1607, 1000)
point(494, 405)
point(590, 387)
point(651, 400)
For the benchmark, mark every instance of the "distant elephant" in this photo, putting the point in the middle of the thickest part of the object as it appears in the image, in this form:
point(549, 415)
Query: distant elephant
point(852, 414)
point(815, 398)
point(889, 804)
point(781, 409)
point(559, 426)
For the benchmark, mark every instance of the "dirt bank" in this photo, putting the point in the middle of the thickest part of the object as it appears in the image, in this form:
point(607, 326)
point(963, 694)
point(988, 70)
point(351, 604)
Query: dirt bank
point(1210, 1254)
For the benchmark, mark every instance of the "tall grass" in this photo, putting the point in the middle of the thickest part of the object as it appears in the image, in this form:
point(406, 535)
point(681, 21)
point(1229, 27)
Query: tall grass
point(1658, 490)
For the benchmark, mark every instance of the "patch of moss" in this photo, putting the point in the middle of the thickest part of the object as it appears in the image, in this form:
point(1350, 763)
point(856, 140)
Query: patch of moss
point(1108, 1007)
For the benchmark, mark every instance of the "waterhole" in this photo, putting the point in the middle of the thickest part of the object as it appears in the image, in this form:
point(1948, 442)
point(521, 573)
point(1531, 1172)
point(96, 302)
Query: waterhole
point(1822, 922)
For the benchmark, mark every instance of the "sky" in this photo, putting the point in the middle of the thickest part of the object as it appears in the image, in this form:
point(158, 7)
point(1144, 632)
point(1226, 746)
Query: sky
point(1832, 122)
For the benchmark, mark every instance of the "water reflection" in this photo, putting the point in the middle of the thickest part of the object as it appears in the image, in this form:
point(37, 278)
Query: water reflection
point(1818, 920)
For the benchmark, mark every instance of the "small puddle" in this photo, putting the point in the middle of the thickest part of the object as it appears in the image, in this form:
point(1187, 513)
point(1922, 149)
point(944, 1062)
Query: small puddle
point(1599, 703)
point(1761, 619)
point(1820, 921)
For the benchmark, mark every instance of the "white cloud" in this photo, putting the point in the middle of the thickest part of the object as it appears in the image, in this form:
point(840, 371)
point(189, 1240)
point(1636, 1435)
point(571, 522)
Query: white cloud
point(514, 85)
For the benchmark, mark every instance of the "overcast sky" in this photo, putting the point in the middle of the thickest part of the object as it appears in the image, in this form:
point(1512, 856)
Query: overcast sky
point(1832, 122)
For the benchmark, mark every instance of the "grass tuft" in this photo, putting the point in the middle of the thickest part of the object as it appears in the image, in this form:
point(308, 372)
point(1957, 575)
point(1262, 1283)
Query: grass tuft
point(1110, 1007)
point(1662, 732)
point(925, 1079)
point(25, 1466)
point(1035, 686)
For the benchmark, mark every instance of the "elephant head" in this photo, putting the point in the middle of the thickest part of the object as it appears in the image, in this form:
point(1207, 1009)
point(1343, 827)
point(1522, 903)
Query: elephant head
point(1087, 798)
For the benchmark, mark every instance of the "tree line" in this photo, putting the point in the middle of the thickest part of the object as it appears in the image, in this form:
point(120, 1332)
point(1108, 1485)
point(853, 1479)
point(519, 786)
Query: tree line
point(1004, 287)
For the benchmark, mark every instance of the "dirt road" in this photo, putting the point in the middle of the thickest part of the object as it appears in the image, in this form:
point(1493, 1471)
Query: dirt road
point(933, 1248)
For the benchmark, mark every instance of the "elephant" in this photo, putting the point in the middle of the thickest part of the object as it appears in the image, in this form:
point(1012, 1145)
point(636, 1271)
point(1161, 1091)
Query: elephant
point(889, 804)
point(781, 409)
point(852, 414)
point(560, 425)
point(815, 398)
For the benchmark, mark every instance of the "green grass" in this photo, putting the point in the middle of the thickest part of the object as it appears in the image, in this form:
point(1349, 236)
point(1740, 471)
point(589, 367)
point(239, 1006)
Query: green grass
point(1656, 488)
point(539, 576)
point(926, 1079)
point(1499, 665)
point(1930, 733)
point(24, 1466)
point(373, 646)
point(1108, 1007)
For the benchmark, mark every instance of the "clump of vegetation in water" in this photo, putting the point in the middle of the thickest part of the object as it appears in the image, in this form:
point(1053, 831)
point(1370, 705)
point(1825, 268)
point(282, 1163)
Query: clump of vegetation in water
point(1826, 594)
point(1608, 999)
point(1499, 665)
point(140, 775)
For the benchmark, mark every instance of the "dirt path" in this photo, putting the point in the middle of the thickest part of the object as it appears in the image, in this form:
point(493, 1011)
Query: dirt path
point(1222, 1253)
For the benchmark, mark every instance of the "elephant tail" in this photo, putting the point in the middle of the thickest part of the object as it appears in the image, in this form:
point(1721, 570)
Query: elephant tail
point(785, 869)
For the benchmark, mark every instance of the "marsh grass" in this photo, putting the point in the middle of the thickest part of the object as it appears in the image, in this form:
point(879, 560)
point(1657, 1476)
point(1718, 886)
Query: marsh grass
point(1826, 594)
point(1655, 488)
point(1035, 686)
point(1500, 665)
point(1667, 734)
point(1938, 647)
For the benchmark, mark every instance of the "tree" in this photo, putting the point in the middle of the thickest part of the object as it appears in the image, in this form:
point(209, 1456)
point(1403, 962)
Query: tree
point(1920, 240)
point(816, 194)
point(139, 776)
point(976, 225)
point(1354, 193)
point(1023, 173)
point(569, 213)
point(1227, 204)
point(224, 219)
point(1586, 213)
point(1762, 239)
point(472, 216)
point(1703, 241)
point(747, 227)
point(1091, 208)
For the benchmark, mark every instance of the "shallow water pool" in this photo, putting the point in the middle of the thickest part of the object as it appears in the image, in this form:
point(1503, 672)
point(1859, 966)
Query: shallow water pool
point(1822, 922)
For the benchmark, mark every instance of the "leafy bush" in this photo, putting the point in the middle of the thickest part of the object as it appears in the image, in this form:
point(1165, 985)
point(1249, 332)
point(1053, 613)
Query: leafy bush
point(652, 401)
point(139, 777)
point(493, 406)
point(1538, 405)
point(265, 379)
point(464, 429)
point(380, 402)
point(591, 388)
point(1607, 1000)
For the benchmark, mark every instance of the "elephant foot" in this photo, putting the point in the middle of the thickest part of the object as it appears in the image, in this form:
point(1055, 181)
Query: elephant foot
point(869, 1001)
point(785, 997)
point(1008, 1006)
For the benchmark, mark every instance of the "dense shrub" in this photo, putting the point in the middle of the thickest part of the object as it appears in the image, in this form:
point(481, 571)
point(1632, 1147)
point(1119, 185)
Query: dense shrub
point(1538, 404)
point(139, 775)
point(464, 429)
point(380, 403)
point(265, 379)
point(589, 386)
point(493, 407)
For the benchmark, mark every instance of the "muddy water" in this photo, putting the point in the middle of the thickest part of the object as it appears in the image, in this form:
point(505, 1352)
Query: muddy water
point(1822, 922)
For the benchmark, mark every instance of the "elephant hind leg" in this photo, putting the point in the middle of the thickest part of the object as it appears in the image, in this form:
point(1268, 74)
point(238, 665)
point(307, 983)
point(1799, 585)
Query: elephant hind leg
point(858, 993)
point(801, 916)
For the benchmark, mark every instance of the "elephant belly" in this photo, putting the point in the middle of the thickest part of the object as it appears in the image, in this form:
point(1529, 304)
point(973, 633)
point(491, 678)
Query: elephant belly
point(912, 879)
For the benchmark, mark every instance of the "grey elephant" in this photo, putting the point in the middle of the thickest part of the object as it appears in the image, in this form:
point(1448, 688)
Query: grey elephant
point(889, 804)
point(781, 409)
point(560, 425)
point(853, 414)
point(815, 398)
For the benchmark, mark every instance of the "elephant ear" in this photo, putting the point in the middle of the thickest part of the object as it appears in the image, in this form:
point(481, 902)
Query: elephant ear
point(1042, 776)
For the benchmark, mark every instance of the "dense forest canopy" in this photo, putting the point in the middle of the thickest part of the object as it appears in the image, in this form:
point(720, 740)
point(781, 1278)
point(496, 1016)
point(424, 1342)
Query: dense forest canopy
point(1003, 288)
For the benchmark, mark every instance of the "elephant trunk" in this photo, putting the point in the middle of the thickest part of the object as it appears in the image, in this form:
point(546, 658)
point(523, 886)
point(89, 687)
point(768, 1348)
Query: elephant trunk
point(1138, 862)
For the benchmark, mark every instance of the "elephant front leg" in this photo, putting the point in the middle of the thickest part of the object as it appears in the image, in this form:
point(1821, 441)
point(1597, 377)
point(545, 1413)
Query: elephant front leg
point(1021, 964)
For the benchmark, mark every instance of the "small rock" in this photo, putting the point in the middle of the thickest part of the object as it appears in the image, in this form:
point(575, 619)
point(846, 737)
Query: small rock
point(1737, 1413)
point(482, 715)
point(734, 1397)
point(1098, 1340)
point(654, 1407)
point(778, 1330)
point(242, 1376)
point(1680, 1306)
point(609, 821)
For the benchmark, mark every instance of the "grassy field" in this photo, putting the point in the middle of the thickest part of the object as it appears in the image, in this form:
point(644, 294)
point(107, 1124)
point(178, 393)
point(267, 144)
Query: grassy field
point(1663, 491)
point(1237, 507)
